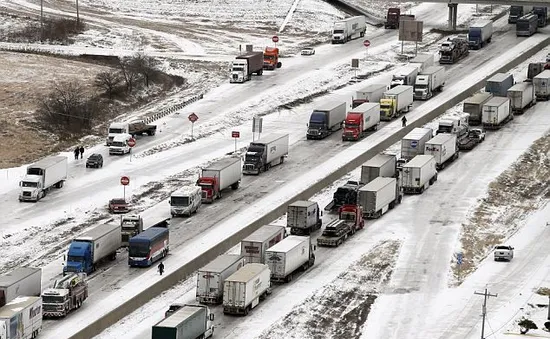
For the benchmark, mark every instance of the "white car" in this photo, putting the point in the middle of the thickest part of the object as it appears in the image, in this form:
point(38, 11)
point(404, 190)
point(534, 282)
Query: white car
point(504, 252)
point(308, 51)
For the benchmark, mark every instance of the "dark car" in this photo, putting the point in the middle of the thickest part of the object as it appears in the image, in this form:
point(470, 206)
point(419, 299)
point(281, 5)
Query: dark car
point(95, 160)
point(118, 205)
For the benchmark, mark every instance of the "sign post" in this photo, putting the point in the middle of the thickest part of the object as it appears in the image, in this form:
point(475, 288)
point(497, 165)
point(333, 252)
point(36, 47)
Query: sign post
point(124, 181)
point(459, 258)
point(275, 39)
point(131, 144)
point(366, 43)
point(235, 135)
point(193, 118)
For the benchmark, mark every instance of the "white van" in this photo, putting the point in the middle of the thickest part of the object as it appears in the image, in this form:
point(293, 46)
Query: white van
point(119, 145)
point(185, 201)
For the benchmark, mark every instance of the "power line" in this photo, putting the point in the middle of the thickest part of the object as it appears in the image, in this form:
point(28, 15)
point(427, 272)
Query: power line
point(485, 294)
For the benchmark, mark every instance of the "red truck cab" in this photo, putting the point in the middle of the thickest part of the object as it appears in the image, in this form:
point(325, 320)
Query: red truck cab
point(210, 189)
point(352, 214)
point(353, 126)
point(271, 58)
point(358, 102)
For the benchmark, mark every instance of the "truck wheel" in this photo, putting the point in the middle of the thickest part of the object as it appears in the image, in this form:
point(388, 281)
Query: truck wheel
point(289, 278)
point(260, 72)
point(235, 185)
point(282, 160)
point(246, 311)
point(279, 64)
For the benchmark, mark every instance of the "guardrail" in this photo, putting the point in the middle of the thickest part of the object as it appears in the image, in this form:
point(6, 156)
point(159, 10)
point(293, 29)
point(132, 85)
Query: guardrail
point(171, 110)
point(187, 269)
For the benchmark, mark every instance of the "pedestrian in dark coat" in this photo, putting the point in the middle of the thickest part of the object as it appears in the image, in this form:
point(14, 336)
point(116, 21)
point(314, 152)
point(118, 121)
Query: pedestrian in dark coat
point(76, 151)
point(161, 268)
point(404, 122)
point(81, 152)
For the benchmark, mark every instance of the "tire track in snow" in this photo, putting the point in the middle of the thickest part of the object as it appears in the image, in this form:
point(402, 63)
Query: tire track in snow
point(289, 15)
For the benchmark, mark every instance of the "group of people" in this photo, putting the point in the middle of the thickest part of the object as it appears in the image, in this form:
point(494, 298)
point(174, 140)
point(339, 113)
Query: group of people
point(77, 151)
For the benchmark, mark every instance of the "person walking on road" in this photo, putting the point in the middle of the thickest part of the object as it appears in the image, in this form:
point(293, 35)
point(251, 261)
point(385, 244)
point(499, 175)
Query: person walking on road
point(81, 152)
point(76, 151)
point(161, 268)
point(404, 121)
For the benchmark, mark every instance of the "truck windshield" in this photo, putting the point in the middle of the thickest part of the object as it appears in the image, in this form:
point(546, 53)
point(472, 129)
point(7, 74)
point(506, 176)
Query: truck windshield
point(474, 34)
point(116, 131)
point(117, 144)
point(421, 86)
point(179, 201)
point(385, 106)
point(317, 118)
point(445, 129)
point(238, 69)
point(29, 184)
point(269, 57)
point(50, 299)
point(139, 249)
point(72, 258)
point(347, 216)
point(352, 124)
point(338, 31)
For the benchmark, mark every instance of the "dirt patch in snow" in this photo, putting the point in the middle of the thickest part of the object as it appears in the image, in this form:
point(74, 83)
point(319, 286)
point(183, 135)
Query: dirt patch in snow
point(340, 309)
point(518, 191)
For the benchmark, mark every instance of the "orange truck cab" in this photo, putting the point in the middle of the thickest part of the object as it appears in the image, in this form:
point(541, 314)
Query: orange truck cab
point(271, 58)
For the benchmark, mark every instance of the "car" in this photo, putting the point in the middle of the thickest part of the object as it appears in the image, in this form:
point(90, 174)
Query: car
point(94, 160)
point(308, 51)
point(119, 205)
point(477, 133)
point(504, 252)
point(173, 309)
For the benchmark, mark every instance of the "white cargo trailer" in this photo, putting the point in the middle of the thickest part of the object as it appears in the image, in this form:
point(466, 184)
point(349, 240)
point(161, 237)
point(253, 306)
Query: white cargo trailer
point(370, 93)
point(480, 33)
point(244, 289)
point(381, 165)
point(413, 143)
point(265, 153)
point(288, 256)
point(422, 61)
point(499, 84)
point(428, 82)
point(419, 174)
point(254, 246)
point(405, 75)
point(541, 82)
point(522, 97)
point(443, 147)
point(474, 106)
point(25, 281)
point(303, 217)
point(396, 101)
point(326, 119)
point(21, 318)
point(378, 196)
point(188, 322)
point(42, 176)
point(210, 278)
point(344, 30)
point(371, 115)
point(496, 113)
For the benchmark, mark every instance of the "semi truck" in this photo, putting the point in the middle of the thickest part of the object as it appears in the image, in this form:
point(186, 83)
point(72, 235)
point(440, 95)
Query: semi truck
point(245, 65)
point(444, 148)
point(244, 289)
point(452, 50)
point(21, 318)
point(266, 152)
point(541, 82)
point(186, 200)
point(288, 256)
point(517, 12)
point(211, 277)
point(370, 93)
point(361, 120)
point(381, 165)
point(21, 281)
point(413, 143)
point(499, 84)
point(344, 30)
point(218, 176)
point(65, 295)
point(349, 221)
point(496, 113)
point(527, 25)
point(480, 33)
point(396, 101)
point(89, 249)
point(254, 246)
point(131, 225)
point(542, 13)
point(428, 82)
point(188, 322)
point(344, 195)
point(405, 75)
point(422, 61)
point(326, 119)
point(394, 17)
point(303, 217)
point(379, 196)
point(271, 58)
point(522, 97)
point(419, 174)
point(454, 125)
point(41, 176)
point(133, 127)
point(474, 106)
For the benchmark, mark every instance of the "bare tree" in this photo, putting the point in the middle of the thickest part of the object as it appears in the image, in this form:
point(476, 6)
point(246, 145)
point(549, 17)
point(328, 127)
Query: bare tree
point(144, 65)
point(129, 73)
point(109, 82)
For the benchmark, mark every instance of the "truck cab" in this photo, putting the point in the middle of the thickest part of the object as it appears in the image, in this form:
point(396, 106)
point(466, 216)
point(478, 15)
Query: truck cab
point(271, 58)
point(185, 201)
point(116, 128)
point(318, 125)
point(66, 294)
point(353, 126)
point(131, 225)
point(79, 258)
point(353, 215)
point(339, 33)
point(458, 126)
point(239, 71)
point(254, 159)
point(392, 18)
point(210, 188)
point(119, 144)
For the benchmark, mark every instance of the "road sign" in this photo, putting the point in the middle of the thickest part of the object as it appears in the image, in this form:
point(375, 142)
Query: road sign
point(131, 142)
point(366, 43)
point(235, 134)
point(193, 117)
point(459, 257)
point(275, 38)
point(124, 180)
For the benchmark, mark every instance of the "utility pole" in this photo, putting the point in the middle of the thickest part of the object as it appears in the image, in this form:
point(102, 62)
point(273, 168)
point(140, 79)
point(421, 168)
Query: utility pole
point(77, 18)
point(41, 20)
point(484, 309)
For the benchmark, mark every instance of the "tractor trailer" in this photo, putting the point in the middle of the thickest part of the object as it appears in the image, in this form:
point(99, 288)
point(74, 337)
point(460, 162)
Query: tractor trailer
point(303, 217)
point(428, 82)
point(396, 101)
point(42, 176)
point(266, 152)
point(326, 119)
point(290, 255)
point(360, 120)
point(218, 176)
point(211, 277)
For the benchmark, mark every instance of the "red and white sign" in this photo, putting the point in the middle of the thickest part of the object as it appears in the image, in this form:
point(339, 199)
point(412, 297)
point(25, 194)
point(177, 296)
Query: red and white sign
point(124, 180)
point(193, 117)
point(235, 134)
point(366, 43)
point(275, 38)
point(131, 142)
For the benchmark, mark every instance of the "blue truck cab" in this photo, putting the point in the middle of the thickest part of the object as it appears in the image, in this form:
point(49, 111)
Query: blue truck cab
point(149, 246)
point(79, 258)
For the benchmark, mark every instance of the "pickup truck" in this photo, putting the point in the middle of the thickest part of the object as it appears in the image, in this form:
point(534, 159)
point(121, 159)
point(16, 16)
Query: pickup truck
point(504, 252)
point(475, 136)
